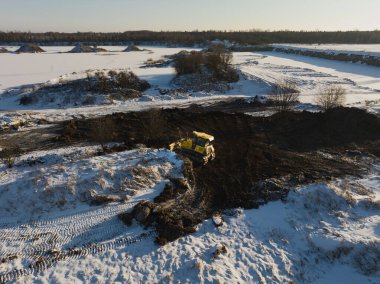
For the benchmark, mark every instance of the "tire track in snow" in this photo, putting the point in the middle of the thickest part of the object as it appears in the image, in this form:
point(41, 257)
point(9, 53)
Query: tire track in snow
point(40, 236)
point(45, 262)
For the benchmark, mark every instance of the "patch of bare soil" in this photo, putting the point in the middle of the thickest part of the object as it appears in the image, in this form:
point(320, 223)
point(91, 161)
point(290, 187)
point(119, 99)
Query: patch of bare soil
point(257, 158)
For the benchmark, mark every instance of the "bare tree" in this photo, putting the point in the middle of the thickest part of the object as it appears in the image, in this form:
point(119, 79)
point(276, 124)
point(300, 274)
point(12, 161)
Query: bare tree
point(330, 97)
point(284, 95)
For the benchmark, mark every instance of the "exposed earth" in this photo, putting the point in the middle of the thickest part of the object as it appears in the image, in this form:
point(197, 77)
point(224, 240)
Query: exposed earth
point(257, 158)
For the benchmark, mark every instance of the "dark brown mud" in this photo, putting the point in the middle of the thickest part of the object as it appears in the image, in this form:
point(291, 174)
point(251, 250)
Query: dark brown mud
point(257, 159)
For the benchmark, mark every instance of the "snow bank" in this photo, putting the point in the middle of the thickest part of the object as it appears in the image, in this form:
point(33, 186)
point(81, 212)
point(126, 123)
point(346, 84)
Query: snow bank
point(58, 180)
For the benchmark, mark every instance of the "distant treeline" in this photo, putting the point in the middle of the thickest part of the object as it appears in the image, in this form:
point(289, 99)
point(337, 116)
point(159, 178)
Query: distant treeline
point(193, 38)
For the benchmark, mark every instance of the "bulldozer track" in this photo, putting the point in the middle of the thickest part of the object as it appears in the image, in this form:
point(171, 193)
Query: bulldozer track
point(50, 259)
point(78, 234)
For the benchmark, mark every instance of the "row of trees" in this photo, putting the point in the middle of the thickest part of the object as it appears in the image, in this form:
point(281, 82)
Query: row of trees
point(195, 37)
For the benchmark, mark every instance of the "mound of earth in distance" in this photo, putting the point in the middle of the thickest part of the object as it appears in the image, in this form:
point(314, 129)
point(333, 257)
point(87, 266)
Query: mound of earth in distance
point(131, 48)
point(3, 50)
point(81, 48)
point(30, 48)
point(258, 159)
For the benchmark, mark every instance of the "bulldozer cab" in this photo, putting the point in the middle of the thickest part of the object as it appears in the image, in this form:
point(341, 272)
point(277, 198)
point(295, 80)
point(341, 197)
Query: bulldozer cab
point(198, 147)
point(202, 139)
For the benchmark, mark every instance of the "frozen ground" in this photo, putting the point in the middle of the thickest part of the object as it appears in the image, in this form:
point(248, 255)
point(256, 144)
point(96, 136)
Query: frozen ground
point(322, 233)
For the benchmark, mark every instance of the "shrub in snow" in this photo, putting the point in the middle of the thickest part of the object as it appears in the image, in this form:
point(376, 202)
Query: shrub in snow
point(204, 68)
point(284, 95)
point(330, 97)
point(9, 152)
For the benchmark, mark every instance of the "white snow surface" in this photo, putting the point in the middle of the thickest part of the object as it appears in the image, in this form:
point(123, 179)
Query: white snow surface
point(322, 233)
point(22, 69)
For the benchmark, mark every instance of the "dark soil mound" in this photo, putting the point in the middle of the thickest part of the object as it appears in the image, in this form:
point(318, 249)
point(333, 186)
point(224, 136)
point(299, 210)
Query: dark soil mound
point(131, 48)
point(257, 159)
point(310, 131)
point(81, 48)
point(3, 50)
point(30, 48)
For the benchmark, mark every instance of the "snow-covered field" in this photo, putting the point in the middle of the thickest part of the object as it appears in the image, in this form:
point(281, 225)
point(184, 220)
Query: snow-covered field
point(259, 72)
point(21, 69)
point(323, 233)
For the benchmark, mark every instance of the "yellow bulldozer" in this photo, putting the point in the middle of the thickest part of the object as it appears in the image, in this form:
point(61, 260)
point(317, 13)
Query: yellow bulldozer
point(198, 147)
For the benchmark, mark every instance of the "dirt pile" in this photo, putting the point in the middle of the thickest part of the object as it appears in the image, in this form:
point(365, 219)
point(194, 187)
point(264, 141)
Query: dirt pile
point(30, 48)
point(99, 88)
point(131, 48)
point(257, 159)
point(81, 48)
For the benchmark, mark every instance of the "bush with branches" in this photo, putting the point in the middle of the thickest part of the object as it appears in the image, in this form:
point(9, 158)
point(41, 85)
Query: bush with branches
point(116, 81)
point(330, 97)
point(216, 61)
point(284, 95)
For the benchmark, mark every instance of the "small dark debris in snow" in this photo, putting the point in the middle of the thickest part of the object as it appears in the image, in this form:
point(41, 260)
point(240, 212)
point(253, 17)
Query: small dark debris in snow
point(220, 250)
point(218, 220)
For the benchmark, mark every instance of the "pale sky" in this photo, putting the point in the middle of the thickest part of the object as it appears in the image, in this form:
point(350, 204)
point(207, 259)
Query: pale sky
point(122, 15)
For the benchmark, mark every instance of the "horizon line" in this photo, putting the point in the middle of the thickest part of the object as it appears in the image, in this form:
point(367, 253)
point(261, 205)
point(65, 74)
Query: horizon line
point(197, 31)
